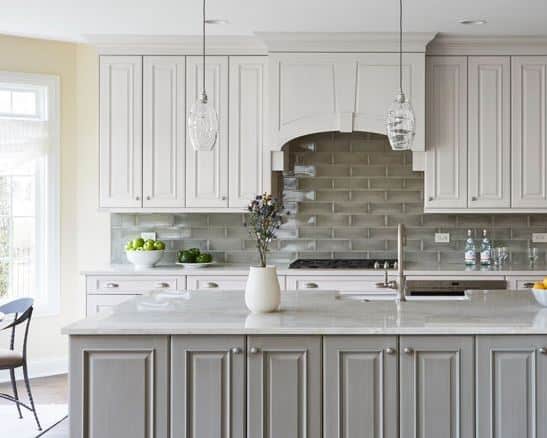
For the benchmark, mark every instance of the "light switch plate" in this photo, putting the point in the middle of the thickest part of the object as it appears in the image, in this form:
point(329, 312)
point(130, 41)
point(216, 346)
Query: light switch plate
point(539, 237)
point(150, 235)
point(442, 237)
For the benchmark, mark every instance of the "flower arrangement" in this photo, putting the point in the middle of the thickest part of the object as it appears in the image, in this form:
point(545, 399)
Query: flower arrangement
point(263, 220)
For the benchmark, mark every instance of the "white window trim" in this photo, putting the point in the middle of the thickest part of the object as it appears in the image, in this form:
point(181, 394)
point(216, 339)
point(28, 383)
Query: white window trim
point(53, 193)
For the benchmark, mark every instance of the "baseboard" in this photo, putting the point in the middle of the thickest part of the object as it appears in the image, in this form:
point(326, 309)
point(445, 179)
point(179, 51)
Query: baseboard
point(41, 368)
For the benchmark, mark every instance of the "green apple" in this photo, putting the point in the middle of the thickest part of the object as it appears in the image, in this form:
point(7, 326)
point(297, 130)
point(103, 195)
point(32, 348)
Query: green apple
point(148, 245)
point(129, 246)
point(138, 243)
point(159, 245)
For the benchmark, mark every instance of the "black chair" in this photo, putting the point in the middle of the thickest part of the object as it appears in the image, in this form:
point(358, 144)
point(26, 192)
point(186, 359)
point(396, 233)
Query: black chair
point(11, 359)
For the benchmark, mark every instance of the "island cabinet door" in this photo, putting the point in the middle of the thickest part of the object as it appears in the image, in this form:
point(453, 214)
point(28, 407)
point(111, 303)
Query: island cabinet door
point(207, 387)
point(436, 386)
point(360, 390)
point(283, 387)
point(119, 387)
point(512, 386)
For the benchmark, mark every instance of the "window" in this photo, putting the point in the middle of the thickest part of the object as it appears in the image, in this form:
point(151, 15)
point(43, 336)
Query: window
point(29, 189)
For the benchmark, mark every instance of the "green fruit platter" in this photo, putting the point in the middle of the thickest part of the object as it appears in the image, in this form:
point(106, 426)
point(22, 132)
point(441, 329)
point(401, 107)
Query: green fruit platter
point(194, 258)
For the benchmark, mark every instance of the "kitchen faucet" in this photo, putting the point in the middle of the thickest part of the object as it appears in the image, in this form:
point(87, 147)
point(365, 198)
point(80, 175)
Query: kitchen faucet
point(398, 284)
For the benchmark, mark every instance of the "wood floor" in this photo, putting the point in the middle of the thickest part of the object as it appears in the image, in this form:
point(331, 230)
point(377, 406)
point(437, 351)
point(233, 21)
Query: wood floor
point(45, 390)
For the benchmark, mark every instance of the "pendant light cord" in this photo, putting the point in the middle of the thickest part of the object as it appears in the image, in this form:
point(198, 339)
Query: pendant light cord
point(203, 92)
point(400, 46)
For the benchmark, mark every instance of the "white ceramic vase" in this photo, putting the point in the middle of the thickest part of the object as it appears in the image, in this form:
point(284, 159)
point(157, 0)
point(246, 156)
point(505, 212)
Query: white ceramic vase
point(262, 292)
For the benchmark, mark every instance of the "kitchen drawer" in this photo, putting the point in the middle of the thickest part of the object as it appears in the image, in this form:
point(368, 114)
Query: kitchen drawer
point(344, 284)
point(222, 282)
point(130, 285)
point(101, 303)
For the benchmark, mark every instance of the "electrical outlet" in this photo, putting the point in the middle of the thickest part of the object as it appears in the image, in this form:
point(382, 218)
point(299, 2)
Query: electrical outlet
point(150, 235)
point(539, 237)
point(442, 237)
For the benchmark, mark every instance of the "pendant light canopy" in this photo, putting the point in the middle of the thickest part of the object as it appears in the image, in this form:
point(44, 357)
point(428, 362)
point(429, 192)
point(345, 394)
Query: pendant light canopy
point(400, 118)
point(203, 119)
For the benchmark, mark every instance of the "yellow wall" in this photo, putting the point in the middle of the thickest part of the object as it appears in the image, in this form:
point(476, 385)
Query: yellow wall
point(85, 235)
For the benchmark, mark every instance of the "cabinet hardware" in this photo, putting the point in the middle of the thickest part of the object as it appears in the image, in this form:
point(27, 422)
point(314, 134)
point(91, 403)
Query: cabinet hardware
point(408, 350)
point(528, 285)
point(311, 285)
point(148, 198)
point(430, 198)
point(473, 198)
point(223, 198)
point(138, 198)
point(254, 350)
point(111, 285)
point(236, 350)
point(212, 284)
point(389, 350)
point(542, 350)
point(162, 285)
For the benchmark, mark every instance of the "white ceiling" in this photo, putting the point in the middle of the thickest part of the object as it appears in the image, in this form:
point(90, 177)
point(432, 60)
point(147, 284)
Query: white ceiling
point(72, 19)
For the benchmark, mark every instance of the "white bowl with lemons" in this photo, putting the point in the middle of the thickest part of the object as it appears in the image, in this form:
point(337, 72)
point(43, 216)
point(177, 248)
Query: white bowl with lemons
point(144, 254)
point(540, 292)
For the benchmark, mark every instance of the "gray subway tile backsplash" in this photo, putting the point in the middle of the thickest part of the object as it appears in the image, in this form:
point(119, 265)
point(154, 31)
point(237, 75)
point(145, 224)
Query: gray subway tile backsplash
point(361, 191)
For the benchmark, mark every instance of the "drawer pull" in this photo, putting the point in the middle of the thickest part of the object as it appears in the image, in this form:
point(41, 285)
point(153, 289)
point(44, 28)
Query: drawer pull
point(236, 350)
point(389, 350)
point(212, 284)
point(311, 285)
point(407, 350)
point(528, 285)
point(254, 350)
point(112, 285)
point(162, 285)
point(542, 350)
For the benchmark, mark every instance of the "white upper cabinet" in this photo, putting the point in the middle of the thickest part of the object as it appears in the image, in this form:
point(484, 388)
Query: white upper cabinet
point(529, 122)
point(314, 92)
point(446, 113)
point(120, 137)
point(164, 131)
point(207, 171)
point(489, 148)
point(378, 85)
point(246, 127)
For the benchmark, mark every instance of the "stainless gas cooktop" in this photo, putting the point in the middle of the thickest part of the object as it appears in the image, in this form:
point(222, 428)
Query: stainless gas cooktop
point(343, 264)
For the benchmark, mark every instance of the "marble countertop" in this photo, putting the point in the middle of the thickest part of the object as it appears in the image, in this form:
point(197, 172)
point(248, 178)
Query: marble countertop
point(320, 313)
point(283, 269)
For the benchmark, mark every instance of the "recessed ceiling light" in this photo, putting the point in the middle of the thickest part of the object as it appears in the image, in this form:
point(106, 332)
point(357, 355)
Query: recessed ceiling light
point(470, 21)
point(217, 21)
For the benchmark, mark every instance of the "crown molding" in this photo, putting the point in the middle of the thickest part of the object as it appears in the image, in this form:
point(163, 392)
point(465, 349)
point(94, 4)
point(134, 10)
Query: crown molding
point(344, 41)
point(455, 44)
point(175, 45)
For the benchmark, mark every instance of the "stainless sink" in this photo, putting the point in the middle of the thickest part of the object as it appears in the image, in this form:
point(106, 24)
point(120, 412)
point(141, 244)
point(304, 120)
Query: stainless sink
point(368, 298)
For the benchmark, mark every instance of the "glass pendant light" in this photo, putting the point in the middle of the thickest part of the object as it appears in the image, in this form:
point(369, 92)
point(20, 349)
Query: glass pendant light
point(203, 119)
point(400, 118)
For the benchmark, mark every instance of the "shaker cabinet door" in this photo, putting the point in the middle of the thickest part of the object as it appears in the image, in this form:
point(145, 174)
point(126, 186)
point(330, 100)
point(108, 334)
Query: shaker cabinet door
point(120, 131)
point(489, 153)
point(283, 386)
point(207, 386)
point(207, 171)
point(164, 131)
point(529, 122)
point(360, 391)
point(436, 387)
point(446, 133)
point(247, 105)
point(511, 386)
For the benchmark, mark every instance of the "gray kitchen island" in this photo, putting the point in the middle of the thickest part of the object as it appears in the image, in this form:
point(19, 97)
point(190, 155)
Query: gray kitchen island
point(198, 365)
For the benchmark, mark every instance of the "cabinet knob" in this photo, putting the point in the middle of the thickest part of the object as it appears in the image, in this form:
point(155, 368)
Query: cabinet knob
point(473, 198)
point(223, 198)
point(212, 284)
point(389, 350)
point(236, 350)
point(162, 285)
point(311, 285)
point(148, 198)
point(253, 350)
point(542, 350)
point(138, 198)
point(430, 198)
point(408, 350)
point(111, 285)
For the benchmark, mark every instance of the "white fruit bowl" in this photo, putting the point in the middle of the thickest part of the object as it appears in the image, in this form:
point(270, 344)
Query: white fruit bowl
point(541, 296)
point(144, 259)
